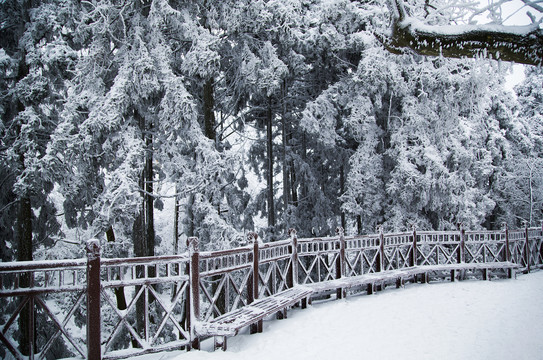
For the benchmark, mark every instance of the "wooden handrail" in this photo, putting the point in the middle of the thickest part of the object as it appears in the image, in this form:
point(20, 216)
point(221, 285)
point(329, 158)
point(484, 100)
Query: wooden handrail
point(240, 274)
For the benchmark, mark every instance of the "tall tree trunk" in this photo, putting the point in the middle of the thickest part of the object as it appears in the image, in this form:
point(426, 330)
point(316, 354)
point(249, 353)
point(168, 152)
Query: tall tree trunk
point(176, 222)
point(269, 141)
point(209, 107)
point(119, 291)
point(143, 231)
point(293, 189)
point(342, 191)
point(359, 224)
point(138, 239)
point(210, 132)
point(303, 186)
point(148, 198)
point(286, 177)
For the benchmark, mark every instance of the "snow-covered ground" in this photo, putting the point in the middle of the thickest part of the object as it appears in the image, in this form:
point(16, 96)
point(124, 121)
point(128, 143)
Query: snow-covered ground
point(495, 320)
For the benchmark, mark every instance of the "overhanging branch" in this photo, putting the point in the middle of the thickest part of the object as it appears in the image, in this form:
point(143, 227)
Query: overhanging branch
point(519, 44)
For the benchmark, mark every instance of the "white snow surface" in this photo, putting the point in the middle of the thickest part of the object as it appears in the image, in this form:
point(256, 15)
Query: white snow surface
point(495, 320)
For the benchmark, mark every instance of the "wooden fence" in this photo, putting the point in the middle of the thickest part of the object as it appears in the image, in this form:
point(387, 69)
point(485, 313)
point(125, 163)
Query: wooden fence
point(98, 308)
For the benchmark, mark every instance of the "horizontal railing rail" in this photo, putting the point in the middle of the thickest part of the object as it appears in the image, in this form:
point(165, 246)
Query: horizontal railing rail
point(115, 308)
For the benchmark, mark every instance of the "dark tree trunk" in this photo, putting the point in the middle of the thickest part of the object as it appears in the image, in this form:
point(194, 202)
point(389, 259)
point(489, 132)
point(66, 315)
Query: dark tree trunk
point(293, 184)
point(138, 239)
point(119, 292)
point(209, 113)
point(286, 171)
point(269, 141)
point(342, 191)
point(303, 186)
point(148, 198)
point(143, 231)
point(176, 223)
point(24, 230)
point(359, 224)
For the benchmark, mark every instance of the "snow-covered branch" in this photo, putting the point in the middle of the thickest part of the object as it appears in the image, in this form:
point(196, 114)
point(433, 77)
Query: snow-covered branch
point(519, 44)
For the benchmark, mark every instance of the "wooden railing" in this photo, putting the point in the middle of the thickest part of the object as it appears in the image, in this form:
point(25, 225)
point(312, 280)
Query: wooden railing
point(116, 308)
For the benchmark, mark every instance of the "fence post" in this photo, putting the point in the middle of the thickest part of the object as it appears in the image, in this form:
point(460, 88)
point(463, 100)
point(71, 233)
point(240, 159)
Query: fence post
point(541, 247)
point(381, 262)
point(413, 257)
point(462, 243)
point(527, 247)
point(293, 271)
point(253, 288)
point(507, 251)
point(461, 258)
point(194, 278)
point(94, 350)
point(340, 262)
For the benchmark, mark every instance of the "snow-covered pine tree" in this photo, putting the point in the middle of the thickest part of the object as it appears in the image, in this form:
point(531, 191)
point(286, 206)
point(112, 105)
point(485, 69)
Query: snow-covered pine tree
point(421, 159)
point(520, 183)
point(37, 57)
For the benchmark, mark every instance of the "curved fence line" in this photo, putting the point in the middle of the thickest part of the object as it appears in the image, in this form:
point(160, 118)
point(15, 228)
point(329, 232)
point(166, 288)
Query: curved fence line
point(116, 308)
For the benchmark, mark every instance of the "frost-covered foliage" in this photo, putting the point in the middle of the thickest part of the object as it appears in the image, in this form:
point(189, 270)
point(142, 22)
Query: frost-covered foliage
point(36, 61)
point(521, 180)
point(109, 103)
point(131, 120)
point(262, 115)
point(429, 145)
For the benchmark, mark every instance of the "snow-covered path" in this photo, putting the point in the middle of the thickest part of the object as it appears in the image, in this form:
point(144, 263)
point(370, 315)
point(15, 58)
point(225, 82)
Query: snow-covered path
point(463, 320)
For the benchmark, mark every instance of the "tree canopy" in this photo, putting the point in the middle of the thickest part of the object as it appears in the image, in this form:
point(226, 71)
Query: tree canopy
point(245, 115)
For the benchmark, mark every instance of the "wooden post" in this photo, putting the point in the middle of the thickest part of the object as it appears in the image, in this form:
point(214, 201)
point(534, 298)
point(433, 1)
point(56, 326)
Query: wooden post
point(253, 289)
point(94, 350)
point(507, 250)
point(413, 257)
point(462, 253)
point(293, 271)
point(32, 319)
point(462, 244)
point(381, 262)
point(541, 247)
point(187, 307)
point(527, 247)
point(194, 278)
point(340, 262)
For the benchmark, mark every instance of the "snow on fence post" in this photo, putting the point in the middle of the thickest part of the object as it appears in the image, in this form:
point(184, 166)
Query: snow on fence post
point(527, 247)
point(194, 277)
point(252, 284)
point(340, 262)
point(94, 351)
point(292, 278)
point(413, 257)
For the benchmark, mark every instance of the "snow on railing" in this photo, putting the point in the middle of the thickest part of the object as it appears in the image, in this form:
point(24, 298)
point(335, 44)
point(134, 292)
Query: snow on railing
point(114, 308)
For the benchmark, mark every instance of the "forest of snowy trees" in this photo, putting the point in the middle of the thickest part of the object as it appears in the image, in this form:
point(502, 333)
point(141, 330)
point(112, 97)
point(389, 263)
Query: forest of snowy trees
point(287, 113)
